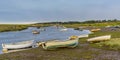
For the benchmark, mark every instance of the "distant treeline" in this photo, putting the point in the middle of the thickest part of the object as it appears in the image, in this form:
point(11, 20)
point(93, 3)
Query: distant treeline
point(101, 21)
point(77, 22)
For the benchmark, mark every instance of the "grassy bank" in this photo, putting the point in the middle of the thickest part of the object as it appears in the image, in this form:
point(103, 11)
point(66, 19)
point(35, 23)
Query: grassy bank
point(113, 44)
point(4, 28)
point(92, 24)
point(12, 27)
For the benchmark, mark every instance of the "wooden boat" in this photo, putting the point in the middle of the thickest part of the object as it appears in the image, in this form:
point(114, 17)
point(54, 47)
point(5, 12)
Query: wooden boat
point(94, 30)
point(100, 38)
point(82, 36)
point(73, 42)
point(35, 32)
point(18, 45)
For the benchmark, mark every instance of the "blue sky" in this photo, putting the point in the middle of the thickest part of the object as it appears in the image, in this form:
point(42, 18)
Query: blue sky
point(28, 11)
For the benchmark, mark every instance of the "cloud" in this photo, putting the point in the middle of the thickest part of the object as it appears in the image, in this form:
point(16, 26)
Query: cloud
point(53, 10)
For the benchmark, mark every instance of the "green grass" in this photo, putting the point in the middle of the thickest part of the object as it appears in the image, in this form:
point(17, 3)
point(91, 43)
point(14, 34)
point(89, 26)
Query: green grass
point(113, 44)
point(114, 34)
point(92, 24)
point(4, 28)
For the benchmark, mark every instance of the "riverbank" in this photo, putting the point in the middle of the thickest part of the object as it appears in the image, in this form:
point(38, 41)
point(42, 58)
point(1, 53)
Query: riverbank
point(7, 27)
point(17, 27)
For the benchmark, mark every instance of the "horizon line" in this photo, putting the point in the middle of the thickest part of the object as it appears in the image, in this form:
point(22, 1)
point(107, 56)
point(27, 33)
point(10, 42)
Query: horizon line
point(42, 22)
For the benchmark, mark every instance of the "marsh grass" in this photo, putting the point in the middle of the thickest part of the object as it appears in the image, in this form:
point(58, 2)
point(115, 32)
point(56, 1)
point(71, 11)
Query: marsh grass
point(112, 44)
point(114, 34)
point(4, 28)
point(92, 24)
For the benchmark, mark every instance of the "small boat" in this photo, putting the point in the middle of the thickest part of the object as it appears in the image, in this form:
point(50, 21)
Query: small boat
point(73, 42)
point(82, 36)
point(99, 38)
point(65, 29)
point(18, 45)
point(95, 30)
point(35, 32)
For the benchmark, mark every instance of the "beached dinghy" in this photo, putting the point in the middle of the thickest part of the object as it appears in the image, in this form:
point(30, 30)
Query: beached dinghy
point(82, 36)
point(18, 45)
point(100, 38)
point(95, 30)
point(73, 42)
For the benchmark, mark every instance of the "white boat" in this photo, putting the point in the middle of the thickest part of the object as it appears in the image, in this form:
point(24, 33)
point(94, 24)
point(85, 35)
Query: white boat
point(100, 38)
point(82, 36)
point(18, 45)
point(65, 29)
point(95, 30)
point(57, 44)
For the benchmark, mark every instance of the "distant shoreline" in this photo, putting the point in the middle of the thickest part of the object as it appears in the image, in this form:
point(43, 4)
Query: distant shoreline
point(88, 25)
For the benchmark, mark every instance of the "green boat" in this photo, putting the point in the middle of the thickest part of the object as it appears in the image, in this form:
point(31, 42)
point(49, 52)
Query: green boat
point(71, 43)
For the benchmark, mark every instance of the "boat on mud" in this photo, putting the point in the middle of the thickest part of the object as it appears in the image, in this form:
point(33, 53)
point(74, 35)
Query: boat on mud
point(83, 36)
point(71, 43)
point(95, 30)
point(18, 45)
point(100, 38)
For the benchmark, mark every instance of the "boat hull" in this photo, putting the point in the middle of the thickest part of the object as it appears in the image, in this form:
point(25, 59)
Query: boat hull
point(100, 38)
point(82, 36)
point(18, 45)
point(59, 44)
point(95, 30)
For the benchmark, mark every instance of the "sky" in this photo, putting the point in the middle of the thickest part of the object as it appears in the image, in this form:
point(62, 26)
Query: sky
point(32, 11)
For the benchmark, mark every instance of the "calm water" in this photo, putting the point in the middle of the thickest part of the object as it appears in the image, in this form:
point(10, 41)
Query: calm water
point(50, 33)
